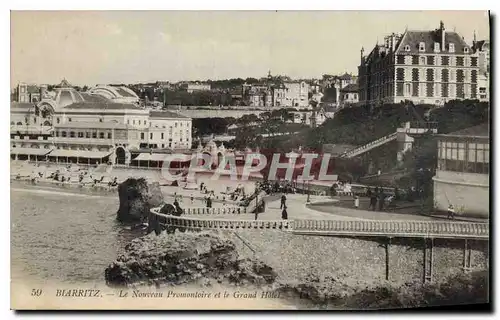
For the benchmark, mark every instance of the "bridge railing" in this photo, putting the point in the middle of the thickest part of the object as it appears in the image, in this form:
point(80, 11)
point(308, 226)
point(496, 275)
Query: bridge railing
point(431, 229)
point(396, 228)
point(193, 223)
point(371, 144)
point(402, 228)
point(215, 210)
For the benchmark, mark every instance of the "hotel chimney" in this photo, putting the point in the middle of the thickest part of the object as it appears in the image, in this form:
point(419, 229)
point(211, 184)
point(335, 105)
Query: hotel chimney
point(443, 34)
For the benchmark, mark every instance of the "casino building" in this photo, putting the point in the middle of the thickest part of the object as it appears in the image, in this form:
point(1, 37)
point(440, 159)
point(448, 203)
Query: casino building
point(462, 174)
point(104, 124)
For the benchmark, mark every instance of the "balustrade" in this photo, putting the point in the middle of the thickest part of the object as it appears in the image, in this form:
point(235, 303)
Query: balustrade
point(354, 227)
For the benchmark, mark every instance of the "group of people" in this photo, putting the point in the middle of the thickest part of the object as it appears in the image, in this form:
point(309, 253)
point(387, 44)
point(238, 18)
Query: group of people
point(281, 186)
point(378, 198)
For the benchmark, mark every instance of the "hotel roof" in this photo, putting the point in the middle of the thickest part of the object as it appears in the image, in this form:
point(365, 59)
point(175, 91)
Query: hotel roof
point(165, 114)
point(414, 38)
point(103, 106)
point(94, 125)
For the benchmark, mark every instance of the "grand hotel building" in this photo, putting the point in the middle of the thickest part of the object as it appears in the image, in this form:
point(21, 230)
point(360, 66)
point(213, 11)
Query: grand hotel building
point(105, 124)
point(428, 67)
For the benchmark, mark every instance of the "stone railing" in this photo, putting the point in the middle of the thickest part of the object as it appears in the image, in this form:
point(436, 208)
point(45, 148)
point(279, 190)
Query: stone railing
point(360, 228)
point(165, 220)
point(421, 229)
point(215, 210)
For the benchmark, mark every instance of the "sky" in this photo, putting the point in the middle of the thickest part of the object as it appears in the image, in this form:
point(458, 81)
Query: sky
point(99, 47)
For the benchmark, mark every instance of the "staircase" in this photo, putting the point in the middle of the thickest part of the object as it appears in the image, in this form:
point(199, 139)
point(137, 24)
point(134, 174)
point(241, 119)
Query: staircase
point(369, 146)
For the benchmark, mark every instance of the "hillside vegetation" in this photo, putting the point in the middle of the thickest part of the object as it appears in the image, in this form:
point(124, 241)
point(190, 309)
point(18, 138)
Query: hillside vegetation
point(361, 125)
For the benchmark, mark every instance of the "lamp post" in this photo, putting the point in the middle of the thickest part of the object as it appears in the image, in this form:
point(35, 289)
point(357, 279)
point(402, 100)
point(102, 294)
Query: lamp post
point(308, 191)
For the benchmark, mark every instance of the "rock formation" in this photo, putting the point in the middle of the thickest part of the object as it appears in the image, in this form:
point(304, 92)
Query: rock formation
point(191, 257)
point(137, 198)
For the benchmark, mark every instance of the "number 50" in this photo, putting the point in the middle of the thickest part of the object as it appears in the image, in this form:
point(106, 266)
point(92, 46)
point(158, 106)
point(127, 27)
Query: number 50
point(36, 292)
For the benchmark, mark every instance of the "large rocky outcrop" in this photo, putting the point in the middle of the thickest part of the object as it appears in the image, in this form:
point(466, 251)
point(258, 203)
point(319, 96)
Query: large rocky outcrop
point(191, 257)
point(137, 197)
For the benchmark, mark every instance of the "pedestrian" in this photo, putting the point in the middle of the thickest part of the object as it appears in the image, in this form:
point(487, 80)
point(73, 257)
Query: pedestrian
point(451, 212)
point(283, 201)
point(373, 202)
point(209, 202)
point(356, 202)
point(284, 214)
point(381, 200)
point(192, 198)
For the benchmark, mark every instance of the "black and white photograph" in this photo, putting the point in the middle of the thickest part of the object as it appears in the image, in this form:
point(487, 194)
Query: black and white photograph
point(250, 160)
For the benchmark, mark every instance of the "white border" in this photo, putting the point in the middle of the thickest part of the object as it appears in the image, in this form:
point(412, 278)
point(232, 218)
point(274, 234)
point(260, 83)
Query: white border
point(185, 5)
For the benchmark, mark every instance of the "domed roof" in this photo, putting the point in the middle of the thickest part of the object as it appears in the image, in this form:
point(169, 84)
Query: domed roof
point(66, 96)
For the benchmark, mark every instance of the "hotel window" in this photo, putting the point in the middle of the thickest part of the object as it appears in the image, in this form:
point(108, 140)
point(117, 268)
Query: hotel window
point(473, 89)
point(133, 122)
point(142, 135)
point(57, 133)
point(401, 59)
point(151, 135)
point(414, 75)
point(445, 75)
point(466, 50)
point(101, 135)
point(473, 76)
point(460, 61)
point(80, 134)
point(436, 47)
point(87, 135)
point(414, 60)
point(451, 47)
point(473, 61)
point(94, 135)
point(128, 121)
point(421, 47)
point(72, 134)
point(162, 136)
point(58, 120)
point(422, 60)
point(400, 74)
point(69, 119)
point(109, 135)
point(407, 89)
point(139, 122)
point(407, 48)
point(63, 134)
point(430, 75)
point(175, 124)
point(145, 122)
point(445, 61)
